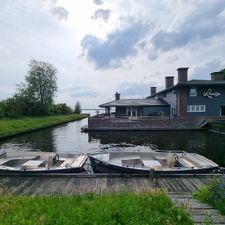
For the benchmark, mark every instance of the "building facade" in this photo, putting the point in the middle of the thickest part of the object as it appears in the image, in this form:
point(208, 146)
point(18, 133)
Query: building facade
point(194, 97)
point(188, 98)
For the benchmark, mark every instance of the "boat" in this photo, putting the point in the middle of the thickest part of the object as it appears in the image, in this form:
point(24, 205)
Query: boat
point(153, 161)
point(35, 162)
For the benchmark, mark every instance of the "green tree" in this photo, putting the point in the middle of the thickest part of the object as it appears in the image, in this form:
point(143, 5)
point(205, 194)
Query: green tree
point(223, 71)
point(77, 109)
point(60, 109)
point(40, 86)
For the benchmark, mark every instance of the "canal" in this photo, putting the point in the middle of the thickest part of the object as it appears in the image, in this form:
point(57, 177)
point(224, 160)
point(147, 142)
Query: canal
point(69, 138)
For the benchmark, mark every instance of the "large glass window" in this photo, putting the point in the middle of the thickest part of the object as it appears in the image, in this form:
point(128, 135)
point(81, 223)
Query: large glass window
point(196, 108)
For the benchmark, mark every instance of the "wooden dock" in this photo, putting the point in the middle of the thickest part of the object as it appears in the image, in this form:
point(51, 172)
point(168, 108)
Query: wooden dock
point(179, 188)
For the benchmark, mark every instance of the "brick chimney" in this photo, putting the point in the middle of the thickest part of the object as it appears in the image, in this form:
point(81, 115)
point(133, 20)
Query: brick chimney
point(152, 91)
point(217, 76)
point(169, 82)
point(182, 74)
point(117, 96)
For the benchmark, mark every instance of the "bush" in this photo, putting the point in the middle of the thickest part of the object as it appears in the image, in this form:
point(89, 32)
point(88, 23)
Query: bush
point(60, 109)
point(214, 194)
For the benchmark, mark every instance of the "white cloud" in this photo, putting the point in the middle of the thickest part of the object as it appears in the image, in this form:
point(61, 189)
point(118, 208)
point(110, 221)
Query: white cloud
point(140, 38)
point(103, 14)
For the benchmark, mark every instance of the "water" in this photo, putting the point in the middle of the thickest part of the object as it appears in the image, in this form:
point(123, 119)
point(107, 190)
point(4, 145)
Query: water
point(69, 138)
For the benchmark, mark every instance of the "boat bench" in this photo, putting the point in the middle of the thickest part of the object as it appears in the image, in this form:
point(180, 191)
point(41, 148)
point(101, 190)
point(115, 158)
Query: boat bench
point(27, 158)
point(76, 162)
point(186, 163)
point(32, 164)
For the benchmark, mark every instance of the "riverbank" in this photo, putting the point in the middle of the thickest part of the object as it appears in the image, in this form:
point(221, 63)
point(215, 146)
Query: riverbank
point(217, 126)
point(12, 127)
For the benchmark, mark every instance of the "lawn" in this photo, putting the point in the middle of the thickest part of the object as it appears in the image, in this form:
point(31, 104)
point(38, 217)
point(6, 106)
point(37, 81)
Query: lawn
point(124, 208)
point(10, 127)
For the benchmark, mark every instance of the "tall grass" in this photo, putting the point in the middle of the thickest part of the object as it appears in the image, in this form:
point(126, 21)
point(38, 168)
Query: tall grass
point(10, 127)
point(214, 194)
point(125, 208)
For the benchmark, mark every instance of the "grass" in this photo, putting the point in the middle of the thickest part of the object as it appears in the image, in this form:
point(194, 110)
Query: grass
point(10, 127)
point(217, 126)
point(213, 194)
point(123, 208)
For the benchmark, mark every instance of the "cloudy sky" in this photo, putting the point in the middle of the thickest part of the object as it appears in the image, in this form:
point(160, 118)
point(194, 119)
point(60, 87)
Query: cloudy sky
point(103, 46)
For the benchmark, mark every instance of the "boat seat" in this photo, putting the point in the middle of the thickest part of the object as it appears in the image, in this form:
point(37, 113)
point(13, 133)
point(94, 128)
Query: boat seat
point(78, 161)
point(32, 164)
point(135, 162)
point(186, 163)
point(152, 164)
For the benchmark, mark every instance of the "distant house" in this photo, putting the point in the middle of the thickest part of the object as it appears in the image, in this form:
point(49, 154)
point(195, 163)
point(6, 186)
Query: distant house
point(138, 107)
point(191, 98)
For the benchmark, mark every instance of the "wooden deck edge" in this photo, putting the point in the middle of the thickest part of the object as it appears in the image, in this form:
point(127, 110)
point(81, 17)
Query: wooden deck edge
point(87, 129)
point(109, 175)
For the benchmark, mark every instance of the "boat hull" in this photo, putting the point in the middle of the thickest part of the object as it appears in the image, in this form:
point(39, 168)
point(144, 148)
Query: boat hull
point(50, 171)
point(99, 166)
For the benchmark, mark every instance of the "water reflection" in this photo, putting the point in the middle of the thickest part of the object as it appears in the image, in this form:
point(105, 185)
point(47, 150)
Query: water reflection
point(63, 138)
point(206, 143)
point(69, 138)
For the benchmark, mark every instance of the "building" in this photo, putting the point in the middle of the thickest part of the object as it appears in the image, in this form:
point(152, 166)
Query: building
point(137, 107)
point(188, 98)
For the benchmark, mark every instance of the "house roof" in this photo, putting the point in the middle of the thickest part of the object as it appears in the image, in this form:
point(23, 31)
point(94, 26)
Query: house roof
point(192, 83)
point(136, 102)
point(201, 82)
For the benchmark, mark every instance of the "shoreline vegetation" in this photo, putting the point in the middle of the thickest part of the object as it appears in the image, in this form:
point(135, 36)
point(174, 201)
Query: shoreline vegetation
point(217, 126)
point(150, 207)
point(12, 127)
point(213, 194)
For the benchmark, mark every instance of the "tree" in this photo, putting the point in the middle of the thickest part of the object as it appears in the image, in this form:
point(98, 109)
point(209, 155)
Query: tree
point(223, 71)
point(77, 109)
point(41, 84)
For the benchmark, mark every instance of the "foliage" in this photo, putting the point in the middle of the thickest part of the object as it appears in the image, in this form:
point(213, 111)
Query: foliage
point(217, 125)
point(77, 108)
point(13, 107)
point(223, 71)
point(60, 109)
point(41, 81)
point(214, 194)
point(40, 85)
point(107, 209)
point(35, 96)
point(15, 126)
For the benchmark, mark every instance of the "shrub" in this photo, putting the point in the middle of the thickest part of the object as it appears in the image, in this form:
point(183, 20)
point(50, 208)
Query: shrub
point(214, 194)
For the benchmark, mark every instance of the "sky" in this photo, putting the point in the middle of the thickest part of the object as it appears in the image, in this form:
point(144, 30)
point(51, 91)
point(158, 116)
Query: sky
point(100, 47)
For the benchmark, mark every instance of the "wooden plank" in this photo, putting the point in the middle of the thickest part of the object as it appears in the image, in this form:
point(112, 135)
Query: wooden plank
point(204, 212)
point(210, 219)
point(184, 184)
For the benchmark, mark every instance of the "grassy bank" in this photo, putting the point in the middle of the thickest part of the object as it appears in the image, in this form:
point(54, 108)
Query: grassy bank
point(107, 209)
point(10, 127)
point(217, 126)
point(213, 194)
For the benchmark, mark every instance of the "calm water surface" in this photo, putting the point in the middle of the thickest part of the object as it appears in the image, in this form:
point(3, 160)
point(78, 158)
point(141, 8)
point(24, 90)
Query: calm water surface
point(68, 138)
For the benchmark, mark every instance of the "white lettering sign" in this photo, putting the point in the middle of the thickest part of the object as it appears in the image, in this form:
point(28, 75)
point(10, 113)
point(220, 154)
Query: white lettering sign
point(209, 93)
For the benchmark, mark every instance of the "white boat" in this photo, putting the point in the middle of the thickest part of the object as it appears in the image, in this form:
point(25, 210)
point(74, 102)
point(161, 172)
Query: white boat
point(41, 162)
point(145, 162)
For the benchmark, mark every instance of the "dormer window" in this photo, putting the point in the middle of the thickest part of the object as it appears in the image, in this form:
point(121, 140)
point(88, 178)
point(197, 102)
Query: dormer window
point(193, 92)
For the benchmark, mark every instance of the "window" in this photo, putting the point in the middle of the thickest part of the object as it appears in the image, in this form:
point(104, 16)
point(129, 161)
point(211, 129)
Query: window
point(196, 108)
point(193, 92)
